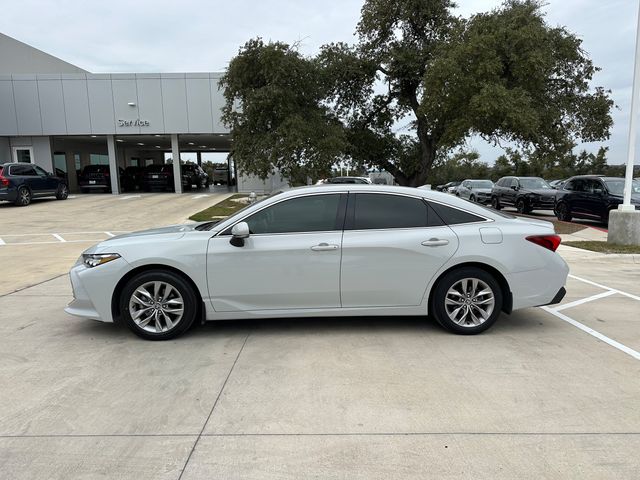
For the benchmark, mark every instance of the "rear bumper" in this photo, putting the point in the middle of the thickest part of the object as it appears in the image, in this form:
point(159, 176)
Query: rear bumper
point(8, 194)
point(544, 286)
point(559, 296)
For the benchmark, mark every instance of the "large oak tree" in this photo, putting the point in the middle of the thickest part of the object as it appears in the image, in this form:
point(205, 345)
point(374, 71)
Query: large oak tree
point(419, 82)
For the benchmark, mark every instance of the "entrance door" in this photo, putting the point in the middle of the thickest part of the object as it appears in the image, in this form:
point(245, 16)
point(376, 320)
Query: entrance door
point(23, 154)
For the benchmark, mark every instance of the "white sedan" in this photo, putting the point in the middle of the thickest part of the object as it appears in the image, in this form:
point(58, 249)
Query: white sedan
point(341, 250)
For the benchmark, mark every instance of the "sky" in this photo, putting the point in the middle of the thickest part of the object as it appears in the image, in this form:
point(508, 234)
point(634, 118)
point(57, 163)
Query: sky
point(203, 35)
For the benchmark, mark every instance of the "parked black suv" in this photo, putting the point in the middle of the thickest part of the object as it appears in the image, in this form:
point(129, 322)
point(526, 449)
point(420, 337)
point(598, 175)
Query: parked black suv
point(21, 182)
point(592, 197)
point(524, 193)
point(96, 177)
point(193, 174)
point(131, 178)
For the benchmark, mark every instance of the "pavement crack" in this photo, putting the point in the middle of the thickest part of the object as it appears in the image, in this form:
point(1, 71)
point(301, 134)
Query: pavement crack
point(195, 444)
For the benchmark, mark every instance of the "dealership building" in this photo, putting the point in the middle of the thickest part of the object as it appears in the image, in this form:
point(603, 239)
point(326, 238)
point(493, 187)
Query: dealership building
point(63, 118)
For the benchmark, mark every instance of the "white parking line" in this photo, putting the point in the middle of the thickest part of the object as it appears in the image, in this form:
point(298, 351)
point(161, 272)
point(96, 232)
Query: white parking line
point(608, 292)
point(60, 239)
point(129, 197)
point(109, 234)
point(585, 300)
point(592, 332)
point(2, 242)
point(195, 197)
point(630, 295)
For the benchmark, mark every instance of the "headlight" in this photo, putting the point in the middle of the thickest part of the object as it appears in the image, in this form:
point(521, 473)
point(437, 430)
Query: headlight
point(91, 260)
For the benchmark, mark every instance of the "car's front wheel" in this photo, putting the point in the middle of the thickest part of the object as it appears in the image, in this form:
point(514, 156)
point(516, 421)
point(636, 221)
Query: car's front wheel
point(521, 206)
point(158, 305)
point(472, 198)
point(466, 301)
point(495, 203)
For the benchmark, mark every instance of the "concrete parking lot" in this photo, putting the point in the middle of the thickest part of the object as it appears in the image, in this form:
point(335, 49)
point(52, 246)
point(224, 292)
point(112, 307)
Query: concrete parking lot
point(546, 393)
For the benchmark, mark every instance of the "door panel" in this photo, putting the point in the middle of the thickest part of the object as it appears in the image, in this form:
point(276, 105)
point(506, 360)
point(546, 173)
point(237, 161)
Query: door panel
point(385, 268)
point(273, 272)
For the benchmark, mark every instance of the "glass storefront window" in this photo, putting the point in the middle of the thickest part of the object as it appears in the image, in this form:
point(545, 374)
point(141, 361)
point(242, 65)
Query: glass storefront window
point(98, 159)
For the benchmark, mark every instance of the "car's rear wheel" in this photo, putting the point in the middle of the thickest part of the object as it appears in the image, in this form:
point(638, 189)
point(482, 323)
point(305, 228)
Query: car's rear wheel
point(24, 197)
point(158, 305)
point(63, 192)
point(562, 212)
point(495, 203)
point(466, 301)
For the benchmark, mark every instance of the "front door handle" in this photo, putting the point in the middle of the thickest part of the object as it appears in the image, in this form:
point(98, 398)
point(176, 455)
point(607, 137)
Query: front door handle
point(324, 247)
point(435, 242)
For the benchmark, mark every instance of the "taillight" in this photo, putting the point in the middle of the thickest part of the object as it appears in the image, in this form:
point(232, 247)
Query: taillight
point(550, 242)
point(3, 180)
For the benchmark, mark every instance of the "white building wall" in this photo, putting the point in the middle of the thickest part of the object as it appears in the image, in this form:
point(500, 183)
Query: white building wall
point(252, 183)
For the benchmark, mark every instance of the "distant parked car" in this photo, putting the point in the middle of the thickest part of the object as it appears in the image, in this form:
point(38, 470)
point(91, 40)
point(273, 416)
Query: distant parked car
point(356, 180)
point(524, 193)
point(22, 182)
point(220, 175)
point(593, 197)
point(452, 187)
point(557, 184)
point(193, 174)
point(158, 176)
point(476, 190)
point(131, 178)
point(96, 177)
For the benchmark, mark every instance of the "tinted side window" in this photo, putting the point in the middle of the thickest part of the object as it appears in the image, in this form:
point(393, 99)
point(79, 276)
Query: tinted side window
point(40, 171)
point(453, 216)
point(569, 185)
point(24, 170)
point(313, 213)
point(376, 211)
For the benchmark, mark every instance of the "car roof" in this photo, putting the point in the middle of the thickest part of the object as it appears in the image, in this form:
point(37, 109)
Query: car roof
point(601, 177)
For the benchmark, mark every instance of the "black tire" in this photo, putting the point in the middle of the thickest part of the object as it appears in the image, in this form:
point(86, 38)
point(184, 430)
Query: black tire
point(437, 305)
point(23, 197)
point(521, 206)
point(472, 198)
point(186, 291)
point(562, 212)
point(63, 192)
point(495, 203)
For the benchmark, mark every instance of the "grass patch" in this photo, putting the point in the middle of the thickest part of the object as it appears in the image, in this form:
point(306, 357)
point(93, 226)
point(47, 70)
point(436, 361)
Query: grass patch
point(220, 209)
point(604, 247)
point(561, 227)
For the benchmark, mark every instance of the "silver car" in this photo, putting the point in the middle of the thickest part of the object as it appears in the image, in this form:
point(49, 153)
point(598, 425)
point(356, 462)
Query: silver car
point(476, 191)
point(332, 250)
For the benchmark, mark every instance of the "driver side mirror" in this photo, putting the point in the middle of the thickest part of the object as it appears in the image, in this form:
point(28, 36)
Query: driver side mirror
point(514, 187)
point(239, 232)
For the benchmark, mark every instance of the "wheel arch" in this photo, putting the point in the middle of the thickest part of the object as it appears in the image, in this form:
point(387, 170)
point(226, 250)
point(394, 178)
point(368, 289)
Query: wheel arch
point(115, 297)
point(507, 296)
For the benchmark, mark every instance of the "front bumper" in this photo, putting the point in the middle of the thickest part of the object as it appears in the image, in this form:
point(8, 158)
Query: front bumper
point(93, 289)
point(542, 203)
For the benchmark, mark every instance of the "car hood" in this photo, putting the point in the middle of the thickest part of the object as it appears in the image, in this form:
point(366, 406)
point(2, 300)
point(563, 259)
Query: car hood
point(180, 230)
point(545, 192)
point(481, 190)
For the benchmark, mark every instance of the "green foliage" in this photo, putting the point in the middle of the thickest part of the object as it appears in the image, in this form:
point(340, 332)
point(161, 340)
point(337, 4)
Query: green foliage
point(505, 75)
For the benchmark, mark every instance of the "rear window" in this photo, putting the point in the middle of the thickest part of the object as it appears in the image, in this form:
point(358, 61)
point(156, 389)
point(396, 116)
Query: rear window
point(159, 168)
point(380, 211)
point(453, 216)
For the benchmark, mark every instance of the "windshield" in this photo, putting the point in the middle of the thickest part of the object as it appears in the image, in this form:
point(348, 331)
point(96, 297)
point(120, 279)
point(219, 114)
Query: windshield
point(481, 183)
point(616, 187)
point(533, 183)
point(235, 214)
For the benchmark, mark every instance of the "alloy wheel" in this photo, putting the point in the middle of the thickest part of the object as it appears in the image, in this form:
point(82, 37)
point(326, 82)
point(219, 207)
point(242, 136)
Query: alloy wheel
point(469, 302)
point(24, 196)
point(156, 307)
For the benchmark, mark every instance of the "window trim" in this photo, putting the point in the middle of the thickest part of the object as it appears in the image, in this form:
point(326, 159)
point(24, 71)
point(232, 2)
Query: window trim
point(342, 204)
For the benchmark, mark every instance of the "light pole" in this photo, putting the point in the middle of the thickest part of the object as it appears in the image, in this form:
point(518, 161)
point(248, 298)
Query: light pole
point(624, 223)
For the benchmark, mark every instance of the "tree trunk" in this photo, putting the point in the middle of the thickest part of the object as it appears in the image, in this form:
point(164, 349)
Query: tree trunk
point(427, 156)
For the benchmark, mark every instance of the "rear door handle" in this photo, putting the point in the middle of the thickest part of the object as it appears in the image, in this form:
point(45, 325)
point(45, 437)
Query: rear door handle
point(324, 247)
point(435, 242)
